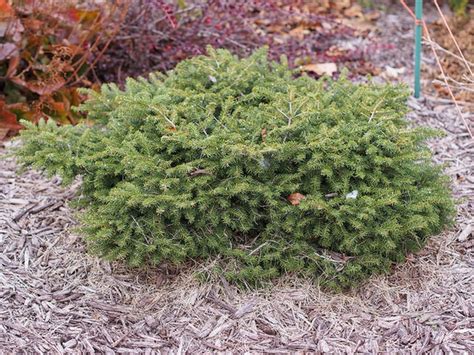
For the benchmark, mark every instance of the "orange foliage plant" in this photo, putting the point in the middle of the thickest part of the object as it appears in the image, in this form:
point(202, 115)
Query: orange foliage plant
point(47, 50)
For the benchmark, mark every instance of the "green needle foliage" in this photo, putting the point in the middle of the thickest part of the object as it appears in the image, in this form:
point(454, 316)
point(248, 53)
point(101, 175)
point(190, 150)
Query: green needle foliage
point(240, 161)
point(459, 6)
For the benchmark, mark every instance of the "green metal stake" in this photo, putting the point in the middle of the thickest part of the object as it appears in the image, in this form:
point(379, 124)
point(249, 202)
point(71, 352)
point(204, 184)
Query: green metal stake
point(418, 33)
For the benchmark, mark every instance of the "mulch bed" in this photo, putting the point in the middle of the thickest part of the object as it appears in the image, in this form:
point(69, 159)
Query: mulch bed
point(56, 298)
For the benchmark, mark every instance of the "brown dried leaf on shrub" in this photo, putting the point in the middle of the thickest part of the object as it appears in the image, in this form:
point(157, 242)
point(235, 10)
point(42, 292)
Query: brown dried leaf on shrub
point(321, 68)
point(296, 198)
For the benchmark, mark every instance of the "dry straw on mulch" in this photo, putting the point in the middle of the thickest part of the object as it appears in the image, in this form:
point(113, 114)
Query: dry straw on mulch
point(55, 298)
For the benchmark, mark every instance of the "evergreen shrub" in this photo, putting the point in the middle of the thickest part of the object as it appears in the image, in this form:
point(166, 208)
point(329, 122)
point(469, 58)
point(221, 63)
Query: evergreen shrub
point(241, 161)
point(459, 6)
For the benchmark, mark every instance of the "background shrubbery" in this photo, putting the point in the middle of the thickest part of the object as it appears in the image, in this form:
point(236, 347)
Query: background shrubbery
point(47, 50)
point(156, 35)
point(238, 159)
point(50, 48)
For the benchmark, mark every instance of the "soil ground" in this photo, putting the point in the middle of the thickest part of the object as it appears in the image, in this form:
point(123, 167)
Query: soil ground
point(56, 298)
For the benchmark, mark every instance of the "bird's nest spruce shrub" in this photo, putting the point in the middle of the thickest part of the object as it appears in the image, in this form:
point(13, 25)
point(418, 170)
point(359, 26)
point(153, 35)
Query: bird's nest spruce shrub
point(242, 161)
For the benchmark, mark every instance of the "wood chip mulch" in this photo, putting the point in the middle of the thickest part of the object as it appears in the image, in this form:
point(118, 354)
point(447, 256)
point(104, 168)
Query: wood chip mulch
point(56, 298)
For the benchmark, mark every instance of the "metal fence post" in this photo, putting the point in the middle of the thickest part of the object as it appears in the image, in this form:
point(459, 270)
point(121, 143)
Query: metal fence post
point(418, 34)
